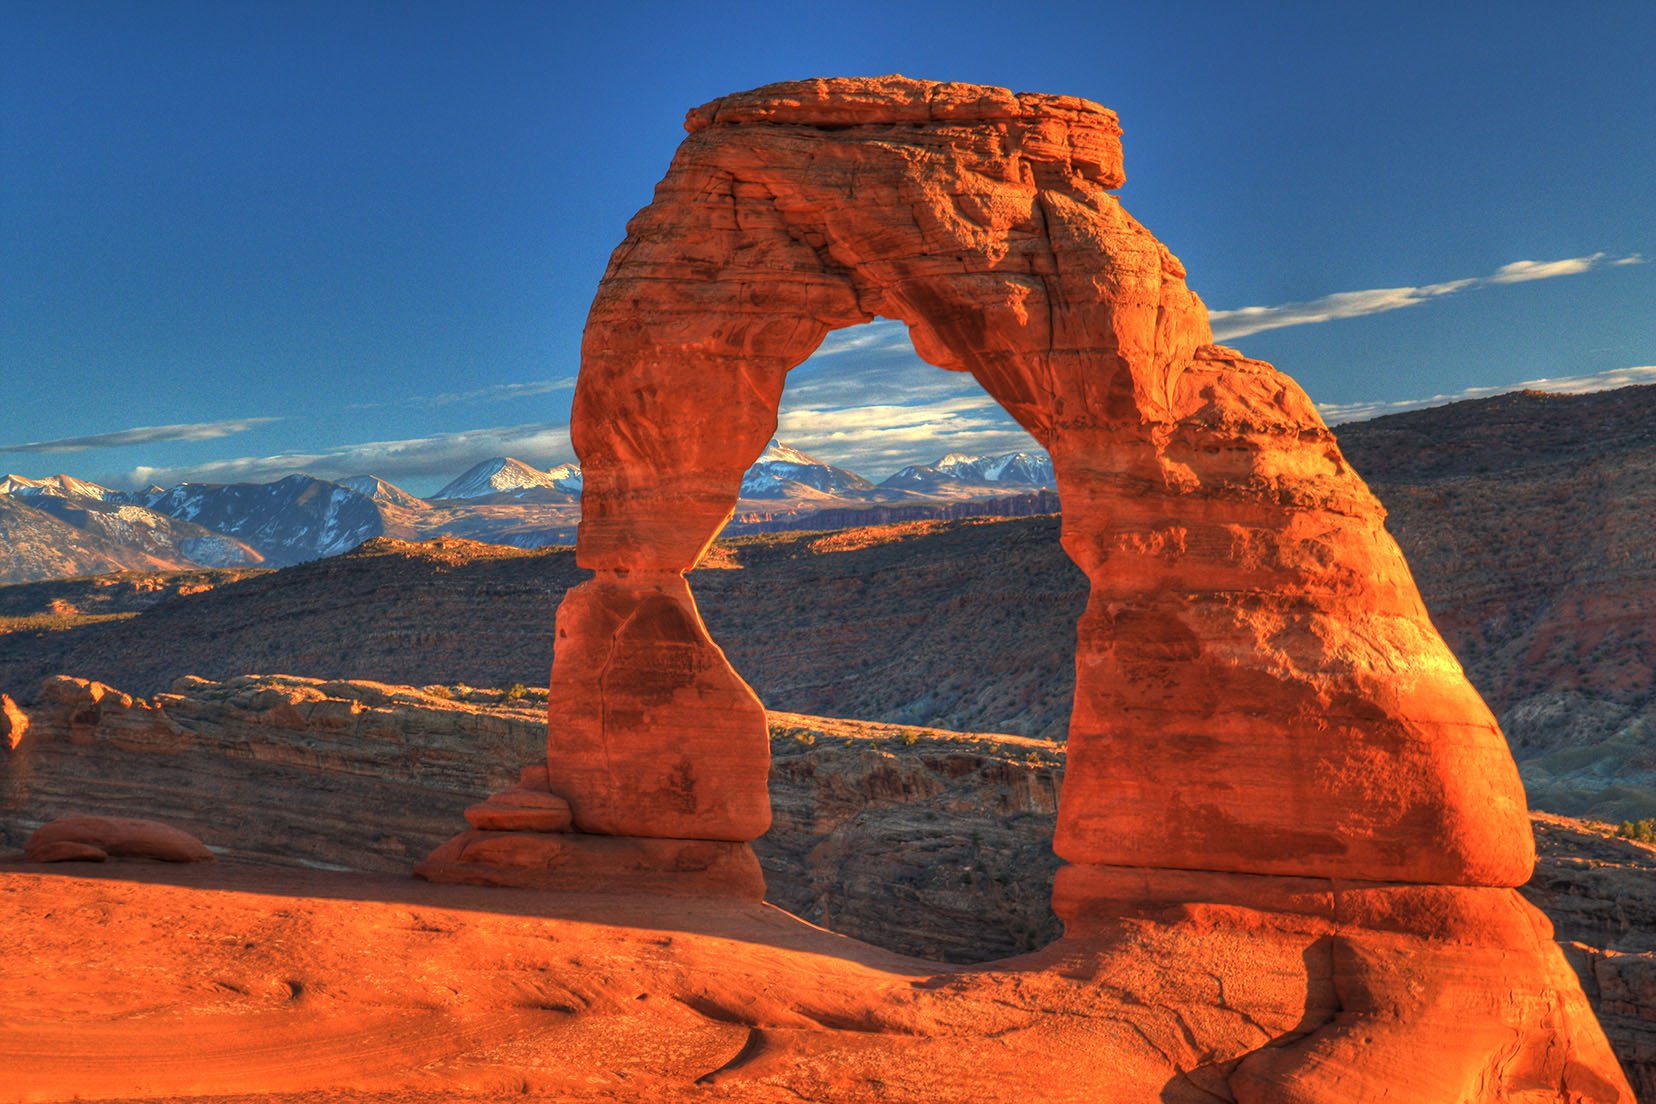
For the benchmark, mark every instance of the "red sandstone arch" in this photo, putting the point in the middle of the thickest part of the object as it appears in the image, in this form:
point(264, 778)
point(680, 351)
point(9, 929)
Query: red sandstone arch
point(1273, 756)
point(1258, 686)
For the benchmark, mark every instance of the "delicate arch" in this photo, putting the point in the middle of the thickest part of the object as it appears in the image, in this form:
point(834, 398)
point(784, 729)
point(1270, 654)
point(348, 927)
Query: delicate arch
point(1258, 686)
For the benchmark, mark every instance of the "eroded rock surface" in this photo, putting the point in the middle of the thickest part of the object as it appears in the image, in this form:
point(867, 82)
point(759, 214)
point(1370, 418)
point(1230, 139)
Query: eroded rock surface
point(1279, 780)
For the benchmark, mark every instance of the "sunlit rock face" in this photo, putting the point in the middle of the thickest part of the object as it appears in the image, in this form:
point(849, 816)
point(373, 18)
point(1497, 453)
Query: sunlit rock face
point(1259, 688)
point(1269, 738)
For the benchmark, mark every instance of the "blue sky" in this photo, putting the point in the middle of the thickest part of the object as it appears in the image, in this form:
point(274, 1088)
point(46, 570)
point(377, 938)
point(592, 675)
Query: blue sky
point(243, 239)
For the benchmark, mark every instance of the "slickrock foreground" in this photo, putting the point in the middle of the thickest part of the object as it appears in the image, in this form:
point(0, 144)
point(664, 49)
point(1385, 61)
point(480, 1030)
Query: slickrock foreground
point(927, 842)
point(221, 979)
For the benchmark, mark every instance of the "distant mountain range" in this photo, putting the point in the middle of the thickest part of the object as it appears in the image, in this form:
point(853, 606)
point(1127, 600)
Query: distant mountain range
point(62, 526)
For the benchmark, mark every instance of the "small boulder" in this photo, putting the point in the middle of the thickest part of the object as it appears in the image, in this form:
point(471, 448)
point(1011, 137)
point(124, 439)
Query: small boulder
point(119, 837)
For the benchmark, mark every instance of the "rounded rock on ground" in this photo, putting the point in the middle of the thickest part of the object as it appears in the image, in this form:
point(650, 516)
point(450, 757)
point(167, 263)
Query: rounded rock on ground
point(116, 837)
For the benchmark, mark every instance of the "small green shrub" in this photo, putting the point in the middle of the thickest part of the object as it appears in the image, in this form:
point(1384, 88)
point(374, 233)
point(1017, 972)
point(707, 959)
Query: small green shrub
point(1640, 831)
point(515, 692)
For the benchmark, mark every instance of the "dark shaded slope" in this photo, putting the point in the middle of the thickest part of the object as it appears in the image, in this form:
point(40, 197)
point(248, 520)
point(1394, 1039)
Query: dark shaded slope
point(947, 624)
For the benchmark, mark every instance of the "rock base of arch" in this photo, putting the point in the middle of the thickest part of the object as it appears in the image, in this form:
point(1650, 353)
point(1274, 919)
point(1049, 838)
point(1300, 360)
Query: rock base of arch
point(1436, 993)
point(577, 862)
point(524, 838)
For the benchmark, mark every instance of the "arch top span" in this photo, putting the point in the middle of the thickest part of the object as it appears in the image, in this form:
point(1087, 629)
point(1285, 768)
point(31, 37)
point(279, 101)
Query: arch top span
point(1079, 132)
point(980, 218)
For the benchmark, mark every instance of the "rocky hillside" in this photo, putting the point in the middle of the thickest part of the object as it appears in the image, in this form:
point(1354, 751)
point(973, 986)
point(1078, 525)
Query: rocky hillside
point(961, 625)
point(48, 536)
point(929, 842)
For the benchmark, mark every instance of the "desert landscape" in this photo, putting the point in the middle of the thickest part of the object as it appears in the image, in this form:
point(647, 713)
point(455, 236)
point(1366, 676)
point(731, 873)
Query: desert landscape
point(930, 662)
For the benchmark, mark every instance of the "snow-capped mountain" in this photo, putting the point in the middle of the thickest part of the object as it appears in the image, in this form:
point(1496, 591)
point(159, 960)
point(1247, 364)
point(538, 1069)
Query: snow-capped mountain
point(58, 486)
point(73, 525)
point(785, 472)
point(52, 536)
point(504, 475)
point(289, 521)
point(1008, 470)
point(566, 477)
point(383, 492)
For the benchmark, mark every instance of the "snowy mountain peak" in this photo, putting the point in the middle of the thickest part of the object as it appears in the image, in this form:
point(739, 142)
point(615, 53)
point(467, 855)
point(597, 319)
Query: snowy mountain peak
point(507, 475)
point(58, 486)
point(499, 475)
point(777, 451)
point(783, 472)
point(381, 491)
point(566, 477)
point(1017, 469)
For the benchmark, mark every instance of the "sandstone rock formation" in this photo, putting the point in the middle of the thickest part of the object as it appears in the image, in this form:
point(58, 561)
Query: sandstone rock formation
point(1270, 744)
point(1251, 627)
point(222, 981)
point(96, 838)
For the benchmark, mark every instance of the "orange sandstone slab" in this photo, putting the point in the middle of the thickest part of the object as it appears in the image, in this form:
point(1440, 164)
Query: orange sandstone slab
point(165, 982)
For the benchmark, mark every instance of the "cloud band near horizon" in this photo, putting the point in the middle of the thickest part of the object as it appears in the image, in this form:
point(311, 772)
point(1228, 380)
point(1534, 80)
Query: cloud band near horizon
point(440, 456)
point(1242, 321)
point(143, 435)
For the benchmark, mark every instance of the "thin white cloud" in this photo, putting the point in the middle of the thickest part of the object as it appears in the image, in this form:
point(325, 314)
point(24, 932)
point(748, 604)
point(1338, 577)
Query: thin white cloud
point(1520, 271)
point(440, 456)
point(1230, 324)
point(884, 408)
point(881, 336)
point(1336, 413)
point(498, 392)
point(143, 435)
